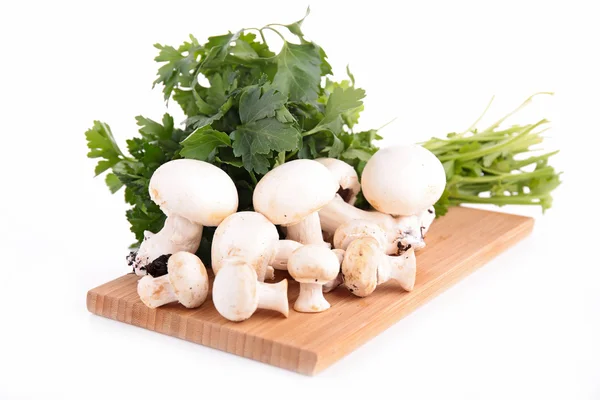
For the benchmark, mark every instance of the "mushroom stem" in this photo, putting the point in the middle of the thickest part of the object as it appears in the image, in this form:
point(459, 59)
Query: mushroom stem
point(307, 231)
point(177, 234)
point(284, 249)
point(155, 292)
point(274, 296)
point(399, 268)
point(311, 298)
point(401, 232)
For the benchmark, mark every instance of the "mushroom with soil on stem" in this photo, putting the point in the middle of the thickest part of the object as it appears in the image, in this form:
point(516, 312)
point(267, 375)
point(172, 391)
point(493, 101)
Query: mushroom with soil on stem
point(186, 282)
point(402, 183)
point(192, 194)
point(237, 293)
point(313, 265)
point(365, 266)
point(250, 236)
point(291, 195)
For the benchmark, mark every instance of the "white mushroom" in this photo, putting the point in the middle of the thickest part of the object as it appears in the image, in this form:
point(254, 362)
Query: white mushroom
point(339, 279)
point(292, 194)
point(402, 183)
point(284, 249)
point(250, 236)
point(237, 293)
point(192, 194)
point(365, 266)
point(186, 282)
point(345, 175)
point(313, 265)
point(403, 180)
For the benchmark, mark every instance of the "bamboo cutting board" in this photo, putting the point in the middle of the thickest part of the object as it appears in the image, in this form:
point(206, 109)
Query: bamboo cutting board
point(457, 244)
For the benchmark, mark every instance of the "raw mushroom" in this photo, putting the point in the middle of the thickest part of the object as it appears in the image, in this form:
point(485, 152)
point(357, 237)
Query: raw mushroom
point(418, 181)
point(365, 266)
point(346, 234)
point(186, 282)
point(237, 293)
point(192, 194)
point(312, 266)
point(339, 279)
point(345, 175)
point(284, 249)
point(356, 229)
point(402, 183)
point(292, 194)
point(250, 236)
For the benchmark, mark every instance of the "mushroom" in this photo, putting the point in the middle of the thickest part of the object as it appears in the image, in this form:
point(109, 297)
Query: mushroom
point(186, 282)
point(237, 293)
point(251, 237)
point(339, 279)
point(313, 265)
point(418, 182)
point(345, 175)
point(291, 195)
point(346, 234)
point(404, 209)
point(192, 194)
point(365, 266)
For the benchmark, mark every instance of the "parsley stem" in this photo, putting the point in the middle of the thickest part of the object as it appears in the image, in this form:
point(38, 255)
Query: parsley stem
point(549, 171)
point(474, 124)
point(499, 200)
point(277, 32)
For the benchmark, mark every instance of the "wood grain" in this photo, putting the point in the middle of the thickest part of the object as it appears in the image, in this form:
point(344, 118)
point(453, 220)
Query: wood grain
point(457, 244)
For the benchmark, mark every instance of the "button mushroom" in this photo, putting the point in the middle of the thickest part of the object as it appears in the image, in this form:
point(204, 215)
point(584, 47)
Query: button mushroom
point(291, 195)
point(192, 194)
point(237, 293)
point(339, 279)
point(312, 266)
point(250, 236)
point(345, 175)
point(186, 282)
point(365, 266)
point(417, 182)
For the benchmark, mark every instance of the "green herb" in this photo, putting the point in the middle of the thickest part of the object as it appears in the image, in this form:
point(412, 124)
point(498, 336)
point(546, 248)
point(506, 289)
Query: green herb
point(260, 109)
point(496, 166)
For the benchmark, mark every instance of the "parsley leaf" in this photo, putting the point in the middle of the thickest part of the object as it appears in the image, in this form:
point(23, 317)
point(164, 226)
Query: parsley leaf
point(298, 72)
point(202, 142)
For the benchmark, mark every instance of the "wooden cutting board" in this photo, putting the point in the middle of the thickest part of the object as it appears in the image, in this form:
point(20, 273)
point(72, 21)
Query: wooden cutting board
point(457, 244)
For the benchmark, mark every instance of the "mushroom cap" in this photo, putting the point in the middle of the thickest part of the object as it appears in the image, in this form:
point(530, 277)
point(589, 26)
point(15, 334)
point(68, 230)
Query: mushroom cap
point(361, 262)
point(235, 293)
point(403, 180)
point(346, 176)
point(189, 279)
point(195, 190)
point(293, 190)
point(355, 229)
point(313, 263)
point(247, 235)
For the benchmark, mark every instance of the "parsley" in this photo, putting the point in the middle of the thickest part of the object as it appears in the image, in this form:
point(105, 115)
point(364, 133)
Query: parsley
point(261, 109)
point(496, 165)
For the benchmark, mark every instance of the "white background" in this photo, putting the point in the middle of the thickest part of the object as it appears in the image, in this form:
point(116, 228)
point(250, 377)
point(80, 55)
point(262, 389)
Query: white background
point(525, 326)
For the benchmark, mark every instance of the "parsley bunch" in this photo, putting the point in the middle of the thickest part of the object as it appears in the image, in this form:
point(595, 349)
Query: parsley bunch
point(261, 109)
point(258, 110)
point(496, 165)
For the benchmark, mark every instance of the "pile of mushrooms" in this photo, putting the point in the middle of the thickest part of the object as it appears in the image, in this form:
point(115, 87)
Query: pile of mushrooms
point(329, 243)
